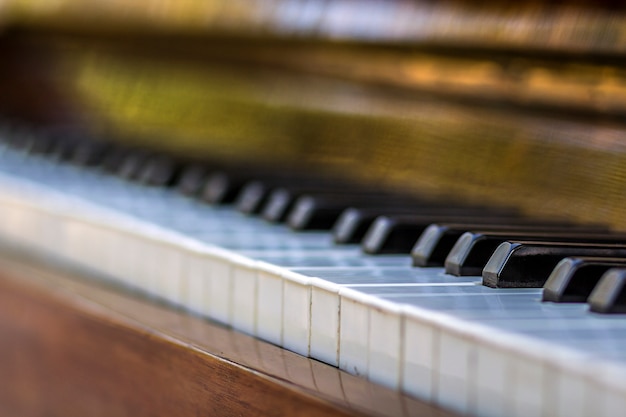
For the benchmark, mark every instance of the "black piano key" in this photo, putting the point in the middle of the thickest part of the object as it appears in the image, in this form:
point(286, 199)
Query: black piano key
point(222, 187)
point(321, 211)
point(354, 222)
point(274, 196)
point(228, 186)
point(528, 264)
point(42, 144)
point(63, 148)
point(132, 164)
point(159, 171)
point(473, 249)
point(192, 179)
point(281, 200)
point(89, 153)
point(114, 158)
point(279, 203)
point(394, 234)
point(609, 296)
point(573, 279)
point(27, 139)
point(310, 213)
point(399, 234)
point(6, 132)
point(253, 196)
point(20, 138)
point(436, 242)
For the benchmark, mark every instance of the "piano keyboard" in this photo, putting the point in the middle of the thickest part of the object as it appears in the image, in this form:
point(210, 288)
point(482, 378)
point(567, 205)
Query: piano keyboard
point(443, 338)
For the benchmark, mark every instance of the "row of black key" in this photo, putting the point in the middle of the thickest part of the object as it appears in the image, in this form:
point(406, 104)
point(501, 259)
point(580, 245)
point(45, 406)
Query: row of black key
point(507, 249)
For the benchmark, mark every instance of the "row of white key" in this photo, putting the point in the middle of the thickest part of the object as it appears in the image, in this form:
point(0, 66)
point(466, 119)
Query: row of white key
point(463, 366)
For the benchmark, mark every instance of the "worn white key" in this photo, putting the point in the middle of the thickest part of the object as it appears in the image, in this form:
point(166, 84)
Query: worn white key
point(386, 329)
point(354, 331)
point(219, 285)
point(492, 382)
point(527, 376)
point(195, 276)
point(608, 395)
point(564, 381)
point(296, 312)
point(270, 303)
point(325, 321)
point(244, 293)
point(419, 354)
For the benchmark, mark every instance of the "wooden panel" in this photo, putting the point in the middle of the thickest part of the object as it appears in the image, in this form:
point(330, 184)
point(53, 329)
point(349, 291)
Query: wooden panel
point(72, 348)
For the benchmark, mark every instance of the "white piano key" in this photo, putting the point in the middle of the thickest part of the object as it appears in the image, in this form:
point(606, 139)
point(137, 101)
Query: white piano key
point(527, 381)
point(614, 402)
point(195, 276)
point(521, 376)
point(169, 267)
point(92, 249)
point(118, 251)
point(73, 239)
point(594, 396)
point(88, 244)
point(421, 344)
point(453, 369)
point(106, 256)
point(270, 303)
point(532, 387)
point(99, 247)
point(148, 251)
point(571, 380)
point(325, 299)
point(386, 329)
point(32, 221)
point(325, 321)
point(489, 388)
point(296, 312)
point(608, 396)
point(129, 247)
point(7, 214)
point(353, 331)
point(512, 369)
point(16, 221)
point(219, 286)
point(244, 281)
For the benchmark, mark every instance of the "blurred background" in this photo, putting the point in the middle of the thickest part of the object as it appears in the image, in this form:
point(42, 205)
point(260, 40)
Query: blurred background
point(502, 103)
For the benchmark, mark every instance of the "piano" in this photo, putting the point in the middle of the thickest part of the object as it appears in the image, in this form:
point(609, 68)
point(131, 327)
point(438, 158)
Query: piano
point(313, 207)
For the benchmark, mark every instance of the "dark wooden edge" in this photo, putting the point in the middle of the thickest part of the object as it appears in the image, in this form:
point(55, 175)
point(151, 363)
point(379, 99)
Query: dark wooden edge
point(71, 347)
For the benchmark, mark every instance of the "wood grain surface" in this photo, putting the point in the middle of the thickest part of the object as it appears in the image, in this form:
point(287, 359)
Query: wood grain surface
point(73, 348)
